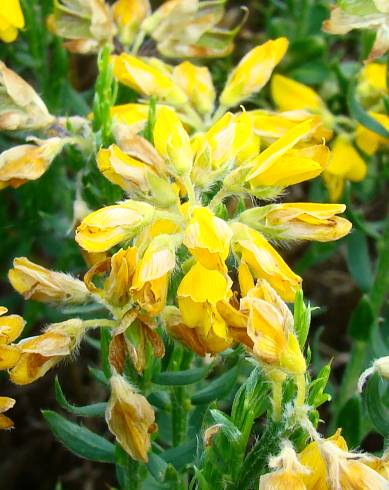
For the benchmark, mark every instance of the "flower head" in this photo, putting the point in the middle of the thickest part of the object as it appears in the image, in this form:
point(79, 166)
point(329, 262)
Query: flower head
point(11, 20)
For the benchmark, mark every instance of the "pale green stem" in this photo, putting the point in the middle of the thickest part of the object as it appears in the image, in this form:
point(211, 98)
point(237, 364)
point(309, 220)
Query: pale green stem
point(300, 383)
point(100, 322)
point(221, 110)
point(277, 400)
point(138, 42)
point(218, 198)
point(193, 118)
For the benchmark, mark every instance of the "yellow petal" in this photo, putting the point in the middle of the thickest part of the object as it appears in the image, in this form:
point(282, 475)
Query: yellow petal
point(289, 95)
point(369, 141)
point(12, 12)
point(9, 356)
point(11, 327)
point(345, 161)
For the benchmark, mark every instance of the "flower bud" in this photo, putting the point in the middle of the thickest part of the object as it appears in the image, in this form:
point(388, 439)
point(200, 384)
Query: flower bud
point(36, 282)
point(196, 82)
point(147, 80)
point(130, 418)
point(172, 142)
point(299, 221)
point(5, 404)
point(253, 71)
point(39, 354)
point(128, 15)
point(108, 226)
point(22, 163)
point(20, 107)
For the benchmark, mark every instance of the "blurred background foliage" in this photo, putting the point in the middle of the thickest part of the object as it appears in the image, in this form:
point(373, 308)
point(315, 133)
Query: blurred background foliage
point(37, 221)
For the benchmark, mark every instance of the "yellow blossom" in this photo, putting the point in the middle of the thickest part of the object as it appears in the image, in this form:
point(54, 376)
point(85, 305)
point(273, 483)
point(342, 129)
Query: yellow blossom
point(20, 106)
point(36, 282)
point(172, 142)
point(106, 227)
point(22, 163)
point(369, 141)
point(264, 261)
point(130, 418)
point(152, 273)
point(198, 294)
point(11, 20)
point(147, 80)
point(128, 15)
point(345, 164)
point(39, 354)
point(372, 83)
point(289, 95)
point(208, 239)
point(196, 82)
point(5, 404)
point(253, 71)
point(11, 327)
point(137, 178)
point(299, 221)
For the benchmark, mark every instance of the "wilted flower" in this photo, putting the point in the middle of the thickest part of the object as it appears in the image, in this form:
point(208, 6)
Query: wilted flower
point(5, 404)
point(22, 163)
point(108, 226)
point(36, 282)
point(20, 106)
point(11, 20)
point(299, 221)
point(130, 418)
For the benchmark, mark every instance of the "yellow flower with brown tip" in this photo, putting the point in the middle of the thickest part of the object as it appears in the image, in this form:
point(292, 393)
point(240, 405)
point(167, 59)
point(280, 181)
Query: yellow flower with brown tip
point(21, 107)
point(27, 162)
point(11, 327)
point(288, 471)
point(39, 354)
point(196, 82)
point(299, 221)
point(345, 164)
point(106, 227)
point(11, 20)
point(5, 404)
point(151, 278)
point(146, 79)
point(36, 282)
point(198, 294)
point(264, 261)
point(130, 418)
point(253, 71)
point(208, 239)
point(369, 141)
point(128, 15)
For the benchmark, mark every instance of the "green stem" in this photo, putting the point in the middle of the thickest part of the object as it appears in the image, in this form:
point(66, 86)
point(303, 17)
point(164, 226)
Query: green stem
point(218, 198)
point(221, 110)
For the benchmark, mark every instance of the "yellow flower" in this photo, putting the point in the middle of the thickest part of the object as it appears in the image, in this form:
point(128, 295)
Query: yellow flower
point(269, 327)
point(20, 106)
point(5, 404)
point(299, 221)
point(198, 294)
point(36, 282)
point(264, 262)
point(208, 239)
point(106, 227)
point(369, 141)
point(137, 178)
point(152, 273)
point(128, 15)
point(172, 142)
point(11, 327)
point(345, 164)
point(134, 116)
point(22, 163)
point(147, 80)
point(196, 82)
point(288, 471)
point(195, 338)
point(372, 84)
point(280, 165)
point(130, 418)
point(253, 71)
point(39, 354)
point(11, 20)
point(289, 95)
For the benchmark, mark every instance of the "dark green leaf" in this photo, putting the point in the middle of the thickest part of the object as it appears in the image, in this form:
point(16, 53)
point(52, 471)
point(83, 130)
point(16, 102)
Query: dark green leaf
point(80, 440)
point(362, 320)
point(350, 419)
point(181, 455)
point(181, 378)
point(218, 388)
point(94, 410)
point(358, 260)
point(376, 407)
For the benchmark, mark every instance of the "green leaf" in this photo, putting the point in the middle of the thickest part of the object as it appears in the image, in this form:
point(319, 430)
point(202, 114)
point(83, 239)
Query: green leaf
point(358, 113)
point(375, 405)
point(181, 455)
point(350, 419)
point(99, 375)
point(316, 396)
point(181, 378)
point(217, 388)
point(105, 339)
point(358, 260)
point(302, 318)
point(157, 466)
point(229, 429)
point(362, 320)
point(94, 410)
point(80, 440)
